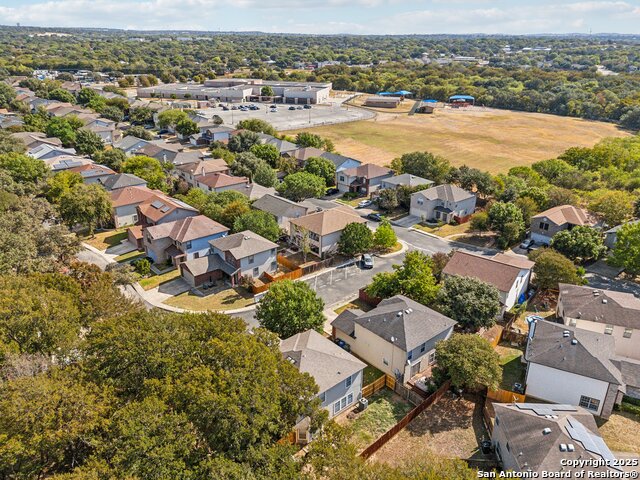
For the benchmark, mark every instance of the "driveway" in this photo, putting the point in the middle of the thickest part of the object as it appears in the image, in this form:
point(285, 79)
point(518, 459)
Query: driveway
point(406, 222)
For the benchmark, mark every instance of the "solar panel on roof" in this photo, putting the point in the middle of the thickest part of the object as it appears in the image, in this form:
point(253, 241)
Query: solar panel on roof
point(165, 209)
point(157, 204)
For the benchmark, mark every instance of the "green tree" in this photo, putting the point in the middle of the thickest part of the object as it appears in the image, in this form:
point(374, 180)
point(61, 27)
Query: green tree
point(23, 168)
point(268, 153)
point(469, 361)
point(506, 220)
point(385, 237)
point(256, 125)
point(226, 155)
point(470, 302)
point(321, 167)
point(528, 207)
point(581, 242)
point(7, 95)
point(112, 158)
point(88, 142)
point(626, 252)
point(552, 268)
point(265, 175)
point(62, 96)
point(302, 185)
point(9, 144)
point(171, 118)
point(61, 183)
point(425, 165)
point(243, 141)
point(414, 279)
point(258, 222)
point(87, 205)
point(289, 308)
point(613, 206)
point(139, 132)
point(187, 127)
point(113, 113)
point(356, 238)
point(306, 139)
point(388, 199)
point(141, 116)
point(267, 91)
point(86, 95)
point(148, 169)
point(480, 222)
point(64, 128)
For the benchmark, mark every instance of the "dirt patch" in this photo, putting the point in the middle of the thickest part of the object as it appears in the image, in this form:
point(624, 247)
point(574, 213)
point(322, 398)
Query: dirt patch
point(450, 428)
point(620, 432)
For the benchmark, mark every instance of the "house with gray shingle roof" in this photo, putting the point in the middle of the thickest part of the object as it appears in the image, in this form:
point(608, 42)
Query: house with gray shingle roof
point(399, 336)
point(122, 180)
point(363, 179)
point(281, 208)
point(444, 203)
point(572, 366)
point(406, 180)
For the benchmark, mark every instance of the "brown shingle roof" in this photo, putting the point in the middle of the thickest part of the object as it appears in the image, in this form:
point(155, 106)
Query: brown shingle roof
point(131, 195)
point(203, 167)
point(327, 221)
point(186, 229)
point(217, 180)
point(368, 170)
point(564, 214)
point(160, 205)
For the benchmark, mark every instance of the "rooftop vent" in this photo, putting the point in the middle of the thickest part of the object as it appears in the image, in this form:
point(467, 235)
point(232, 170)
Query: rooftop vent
point(571, 447)
point(604, 300)
point(566, 333)
point(393, 339)
point(407, 311)
point(563, 447)
point(574, 342)
point(546, 431)
point(399, 314)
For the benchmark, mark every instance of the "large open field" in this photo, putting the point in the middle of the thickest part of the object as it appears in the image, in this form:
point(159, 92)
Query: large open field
point(488, 139)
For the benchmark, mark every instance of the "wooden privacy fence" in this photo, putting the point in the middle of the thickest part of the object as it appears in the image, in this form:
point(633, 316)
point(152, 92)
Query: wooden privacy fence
point(282, 260)
point(393, 431)
point(374, 386)
point(505, 396)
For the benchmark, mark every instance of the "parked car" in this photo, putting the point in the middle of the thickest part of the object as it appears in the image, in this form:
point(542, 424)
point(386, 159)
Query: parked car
point(299, 108)
point(307, 107)
point(292, 108)
point(375, 217)
point(234, 108)
point(332, 191)
point(527, 244)
point(367, 261)
point(364, 204)
point(225, 108)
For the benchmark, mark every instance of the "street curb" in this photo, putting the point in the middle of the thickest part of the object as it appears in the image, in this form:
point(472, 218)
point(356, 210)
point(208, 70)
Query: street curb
point(404, 248)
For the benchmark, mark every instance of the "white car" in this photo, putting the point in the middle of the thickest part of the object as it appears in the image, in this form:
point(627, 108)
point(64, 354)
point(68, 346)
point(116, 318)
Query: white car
point(527, 244)
point(364, 203)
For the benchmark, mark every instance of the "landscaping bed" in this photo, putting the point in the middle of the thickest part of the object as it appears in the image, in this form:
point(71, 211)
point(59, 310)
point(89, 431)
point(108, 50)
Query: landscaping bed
point(228, 299)
point(451, 428)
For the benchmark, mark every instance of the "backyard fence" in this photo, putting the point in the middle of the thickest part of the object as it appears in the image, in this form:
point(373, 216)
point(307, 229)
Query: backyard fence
point(284, 261)
point(505, 396)
point(408, 394)
point(374, 386)
point(373, 301)
point(393, 431)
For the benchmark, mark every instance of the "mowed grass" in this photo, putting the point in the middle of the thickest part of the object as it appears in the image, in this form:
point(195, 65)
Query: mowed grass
point(157, 280)
point(229, 299)
point(513, 370)
point(620, 432)
point(488, 139)
point(104, 240)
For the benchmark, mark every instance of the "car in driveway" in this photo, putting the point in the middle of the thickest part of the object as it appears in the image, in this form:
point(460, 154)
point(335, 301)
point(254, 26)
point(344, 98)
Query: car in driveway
point(367, 261)
point(332, 191)
point(375, 217)
point(528, 244)
point(364, 204)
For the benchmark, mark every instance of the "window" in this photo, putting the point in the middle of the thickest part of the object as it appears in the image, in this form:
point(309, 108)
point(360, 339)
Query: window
point(256, 271)
point(273, 251)
point(347, 382)
point(251, 259)
point(423, 347)
point(385, 361)
point(432, 357)
point(336, 407)
point(342, 178)
point(409, 355)
point(196, 255)
point(135, 217)
point(544, 226)
point(608, 330)
point(323, 397)
point(188, 245)
point(589, 403)
point(274, 266)
point(420, 201)
point(350, 399)
point(627, 333)
point(572, 322)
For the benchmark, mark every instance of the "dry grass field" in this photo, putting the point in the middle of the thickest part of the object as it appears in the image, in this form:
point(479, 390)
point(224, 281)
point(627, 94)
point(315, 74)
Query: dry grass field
point(489, 139)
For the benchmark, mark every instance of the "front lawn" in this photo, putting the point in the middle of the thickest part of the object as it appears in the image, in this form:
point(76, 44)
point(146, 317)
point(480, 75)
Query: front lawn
point(385, 409)
point(106, 239)
point(228, 299)
point(445, 230)
point(157, 280)
point(130, 256)
point(513, 370)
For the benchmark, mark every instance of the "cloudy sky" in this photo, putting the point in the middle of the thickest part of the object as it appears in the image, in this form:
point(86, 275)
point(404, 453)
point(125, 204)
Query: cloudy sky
point(333, 16)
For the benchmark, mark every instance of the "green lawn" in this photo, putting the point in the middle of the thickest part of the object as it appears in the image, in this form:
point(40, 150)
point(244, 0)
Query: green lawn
point(156, 280)
point(104, 240)
point(384, 411)
point(229, 299)
point(445, 230)
point(131, 256)
point(351, 202)
point(513, 370)
point(371, 374)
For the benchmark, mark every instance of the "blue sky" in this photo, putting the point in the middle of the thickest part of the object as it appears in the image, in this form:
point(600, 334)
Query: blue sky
point(333, 16)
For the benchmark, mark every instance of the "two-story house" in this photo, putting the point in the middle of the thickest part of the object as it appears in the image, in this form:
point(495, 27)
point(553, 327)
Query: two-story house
point(405, 180)
point(93, 173)
point(444, 203)
point(190, 172)
point(604, 311)
point(231, 258)
point(364, 179)
point(563, 217)
point(340, 161)
point(181, 240)
point(510, 274)
point(219, 182)
point(122, 180)
point(322, 230)
point(399, 336)
point(282, 209)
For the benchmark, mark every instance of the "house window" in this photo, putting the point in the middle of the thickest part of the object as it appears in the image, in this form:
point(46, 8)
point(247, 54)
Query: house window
point(256, 271)
point(350, 399)
point(410, 355)
point(273, 251)
point(608, 330)
point(627, 332)
point(347, 382)
point(385, 361)
point(342, 178)
point(589, 403)
point(251, 258)
point(544, 226)
point(274, 266)
point(323, 397)
point(135, 217)
point(572, 322)
point(420, 201)
point(188, 245)
point(432, 357)
point(423, 347)
point(196, 255)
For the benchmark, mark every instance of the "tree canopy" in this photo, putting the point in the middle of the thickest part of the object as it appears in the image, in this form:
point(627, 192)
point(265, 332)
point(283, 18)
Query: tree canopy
point(302, 185)
point(355, 238)
point(469, 301)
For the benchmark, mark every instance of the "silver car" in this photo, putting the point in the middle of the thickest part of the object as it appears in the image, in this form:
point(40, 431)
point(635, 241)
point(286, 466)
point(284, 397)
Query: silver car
point(367, 261)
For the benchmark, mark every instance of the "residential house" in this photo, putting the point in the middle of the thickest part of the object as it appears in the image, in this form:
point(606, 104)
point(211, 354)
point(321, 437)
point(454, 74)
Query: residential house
point(363, 180)
point(540, 438)
point(122, 180)
point(283, 146)
point(337, 373)
point(212, 133)
point(109, 134)
point(572, 366)
point(611, 235)
point(93, 173)
point(232, 258)
point(46, 151)
point(398, 337)
point(254, 191)
point(340, 161)
point(302, 154)
point(130, 144)
point(563, 217)
point(160, 150)
point(8, 120)
point(181, 240)
point(219, 182)
point(444, 203)
point(35, 139)
point(281, 208)
point(125, 201)
point(322, 229)
point(510, 274)
point(65, 162)
point(604, 311)
point(404, 180)
point(190, 172)
point(185, 158)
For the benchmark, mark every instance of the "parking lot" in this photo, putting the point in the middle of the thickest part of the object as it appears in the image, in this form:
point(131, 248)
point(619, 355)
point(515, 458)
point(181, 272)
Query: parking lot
point(286, 119)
